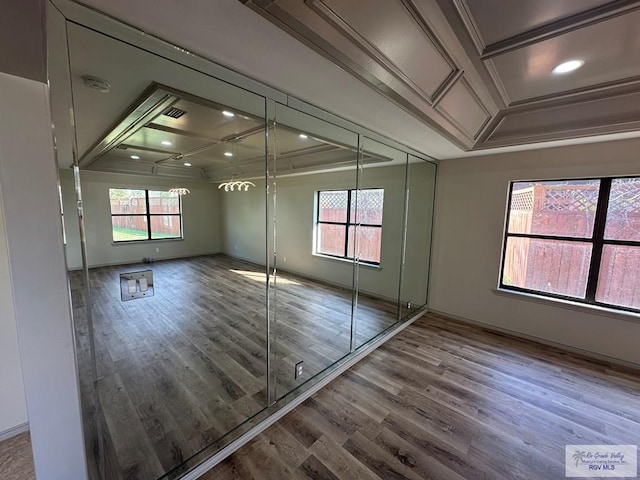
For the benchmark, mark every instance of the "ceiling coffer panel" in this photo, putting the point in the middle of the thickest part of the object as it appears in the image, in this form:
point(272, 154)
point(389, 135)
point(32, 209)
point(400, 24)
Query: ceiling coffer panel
point(520, 45)
point(609, 49)
point(413, 60)
point(391, 44)
point(594, 117)
point(496, 24)
point(461, 106)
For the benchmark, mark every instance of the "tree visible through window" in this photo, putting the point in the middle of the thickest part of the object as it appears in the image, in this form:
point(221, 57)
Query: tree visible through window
point(575, 239)
point(350, 219)
point(144, 215)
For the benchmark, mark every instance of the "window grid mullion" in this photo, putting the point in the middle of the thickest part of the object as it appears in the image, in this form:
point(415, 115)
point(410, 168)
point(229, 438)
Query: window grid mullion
point(146, 196)
point(346, 233)
point(598, 238)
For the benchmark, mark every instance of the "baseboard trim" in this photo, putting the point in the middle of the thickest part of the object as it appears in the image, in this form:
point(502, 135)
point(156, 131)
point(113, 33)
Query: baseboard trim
point(211, 462)
point(141, 261)
point(12, 432)
point(543, 341)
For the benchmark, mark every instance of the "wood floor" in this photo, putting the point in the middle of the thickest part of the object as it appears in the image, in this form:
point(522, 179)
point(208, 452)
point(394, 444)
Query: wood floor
point(448, 401)
point(16, 459)
point(178, 370)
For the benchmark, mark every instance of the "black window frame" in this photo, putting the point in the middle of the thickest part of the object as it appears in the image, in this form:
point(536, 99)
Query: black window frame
point(348, 223)
point(597, 241)
point(148, 216)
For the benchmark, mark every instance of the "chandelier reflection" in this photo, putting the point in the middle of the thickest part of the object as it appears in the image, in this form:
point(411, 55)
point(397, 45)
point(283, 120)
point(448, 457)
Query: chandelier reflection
point(236, 184)
point(179, 191)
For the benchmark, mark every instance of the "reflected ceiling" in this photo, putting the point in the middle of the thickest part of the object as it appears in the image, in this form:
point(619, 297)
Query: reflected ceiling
point(163, 119)
point(172, 133)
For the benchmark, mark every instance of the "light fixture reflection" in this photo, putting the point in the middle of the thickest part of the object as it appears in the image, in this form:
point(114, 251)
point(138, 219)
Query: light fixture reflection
point(166, 142)
point(228, 154)
point(179, 191)
point(303, 136)
point(135, 157)
point(229, 114)
point(187, 164)
point(236, 184)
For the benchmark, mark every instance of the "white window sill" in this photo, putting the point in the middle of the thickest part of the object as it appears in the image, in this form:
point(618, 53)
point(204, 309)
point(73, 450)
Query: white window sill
point(346, 261)
point(576, 306)
point(145, 242)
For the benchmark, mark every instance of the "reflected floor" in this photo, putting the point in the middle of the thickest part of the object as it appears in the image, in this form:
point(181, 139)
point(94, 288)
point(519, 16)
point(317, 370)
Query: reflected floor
point(178, 370)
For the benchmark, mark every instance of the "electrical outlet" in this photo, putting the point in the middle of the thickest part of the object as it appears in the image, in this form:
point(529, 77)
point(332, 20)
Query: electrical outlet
point(157, 249)
point(409, 305)
point(298, 370)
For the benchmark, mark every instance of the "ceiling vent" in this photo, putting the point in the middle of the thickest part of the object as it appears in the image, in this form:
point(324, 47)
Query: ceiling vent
point(174, 112)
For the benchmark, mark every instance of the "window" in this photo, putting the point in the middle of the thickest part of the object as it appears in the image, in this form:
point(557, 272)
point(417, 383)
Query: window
point(144, 215)
point(347, 217)
point(575, 239)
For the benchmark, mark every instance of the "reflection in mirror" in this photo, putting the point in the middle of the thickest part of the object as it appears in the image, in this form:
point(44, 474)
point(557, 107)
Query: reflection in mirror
point(313, 170)
point(421, 180)
point(173, 335)
point(376, 238)
point(212, 274)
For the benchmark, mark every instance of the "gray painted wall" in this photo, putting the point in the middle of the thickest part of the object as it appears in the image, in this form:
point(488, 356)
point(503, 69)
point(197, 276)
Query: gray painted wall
point(470, 213)
point(22, 53)
point(243, 220)
point(201, 220)
point(13, 410)
point(28, 181)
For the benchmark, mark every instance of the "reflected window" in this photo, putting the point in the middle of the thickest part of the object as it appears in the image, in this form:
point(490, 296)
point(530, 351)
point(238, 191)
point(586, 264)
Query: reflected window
point(138, 215)
point(350, 221)
point(575, 239)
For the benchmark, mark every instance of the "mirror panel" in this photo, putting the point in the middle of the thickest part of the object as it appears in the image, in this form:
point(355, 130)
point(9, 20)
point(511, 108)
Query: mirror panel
point(313, 171)
point(177, 270)
point(223, 239)
point(421, 180)
point(376, 237)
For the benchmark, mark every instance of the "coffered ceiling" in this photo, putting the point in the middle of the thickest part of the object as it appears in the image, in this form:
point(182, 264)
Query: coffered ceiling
point(480, 71)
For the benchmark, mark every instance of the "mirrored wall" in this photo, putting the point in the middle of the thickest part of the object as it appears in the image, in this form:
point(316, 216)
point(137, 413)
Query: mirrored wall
point(228, 249)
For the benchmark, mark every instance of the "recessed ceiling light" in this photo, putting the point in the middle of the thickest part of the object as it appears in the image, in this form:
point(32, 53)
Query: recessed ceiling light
point(303, 136)
point(166, 142)
point(568, 66)
point(187, 164)
point(228, 154)
point(229, 114)
point(135, 157)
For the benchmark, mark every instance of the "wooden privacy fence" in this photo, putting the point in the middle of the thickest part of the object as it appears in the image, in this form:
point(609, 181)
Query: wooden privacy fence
point(133, 211)
point(562, 266)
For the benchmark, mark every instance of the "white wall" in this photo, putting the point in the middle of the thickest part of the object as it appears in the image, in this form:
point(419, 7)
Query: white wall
point(28, 183)
point(200, 209)
point(22, 53)
point(13, 410)
point(243, 219)
point(470, 212)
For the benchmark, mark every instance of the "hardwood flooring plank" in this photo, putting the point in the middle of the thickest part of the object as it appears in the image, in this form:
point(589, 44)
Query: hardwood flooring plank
point(442, 400)
point(191, 361)
point(340, 462)
point(449, 401)
point(314, 469)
